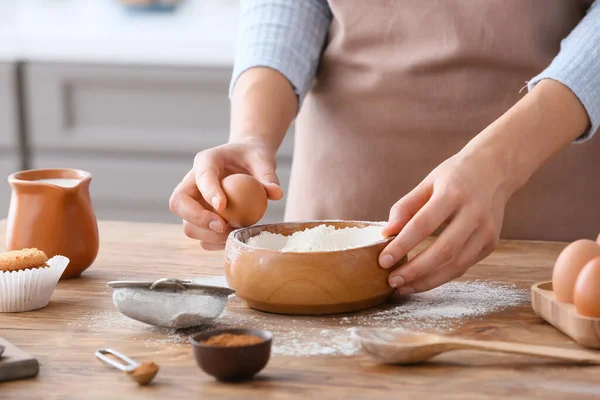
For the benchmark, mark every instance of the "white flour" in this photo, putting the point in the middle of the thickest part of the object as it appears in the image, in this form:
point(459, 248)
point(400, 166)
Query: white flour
point(319, 238)
point(167, 309)
point(441, 310)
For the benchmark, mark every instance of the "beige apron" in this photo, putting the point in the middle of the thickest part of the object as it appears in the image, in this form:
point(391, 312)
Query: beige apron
point(403, 85)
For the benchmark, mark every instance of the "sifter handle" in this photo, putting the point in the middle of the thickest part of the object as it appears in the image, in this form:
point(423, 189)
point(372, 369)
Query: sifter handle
point(169, 281)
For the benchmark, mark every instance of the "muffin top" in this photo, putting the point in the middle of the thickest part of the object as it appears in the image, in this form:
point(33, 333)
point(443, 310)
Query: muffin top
point(17, 260)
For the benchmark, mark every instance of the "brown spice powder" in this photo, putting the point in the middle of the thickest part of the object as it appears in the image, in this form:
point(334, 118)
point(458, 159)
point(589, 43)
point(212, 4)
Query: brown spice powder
point(233, 340)
point(144, 372)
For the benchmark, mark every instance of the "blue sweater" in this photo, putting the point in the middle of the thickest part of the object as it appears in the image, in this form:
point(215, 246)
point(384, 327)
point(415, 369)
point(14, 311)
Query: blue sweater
point(288, 36)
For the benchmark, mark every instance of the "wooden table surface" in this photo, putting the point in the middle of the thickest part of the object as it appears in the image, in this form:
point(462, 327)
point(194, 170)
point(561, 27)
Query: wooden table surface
point(65, 335)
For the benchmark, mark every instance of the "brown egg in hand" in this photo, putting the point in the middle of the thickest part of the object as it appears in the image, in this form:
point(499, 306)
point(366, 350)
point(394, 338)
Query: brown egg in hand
point(568, 266)
point(586, 296)
point(246, 200)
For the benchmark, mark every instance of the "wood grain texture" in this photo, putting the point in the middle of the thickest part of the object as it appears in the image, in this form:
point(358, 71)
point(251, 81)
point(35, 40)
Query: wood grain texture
point(59, 337)
point(584, 330)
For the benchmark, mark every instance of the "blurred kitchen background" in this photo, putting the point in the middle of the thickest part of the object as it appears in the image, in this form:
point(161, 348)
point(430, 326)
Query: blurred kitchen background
point(127, 93)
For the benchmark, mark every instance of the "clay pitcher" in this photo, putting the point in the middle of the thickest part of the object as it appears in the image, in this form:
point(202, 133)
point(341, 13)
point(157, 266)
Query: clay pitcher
point(51, 209)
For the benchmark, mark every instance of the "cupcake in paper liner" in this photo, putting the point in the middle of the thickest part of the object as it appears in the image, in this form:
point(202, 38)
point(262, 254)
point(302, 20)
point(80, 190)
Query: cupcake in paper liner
point(28, 279)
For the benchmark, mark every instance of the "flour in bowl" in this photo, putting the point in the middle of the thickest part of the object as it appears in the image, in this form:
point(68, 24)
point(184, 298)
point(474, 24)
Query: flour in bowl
point(319, 238)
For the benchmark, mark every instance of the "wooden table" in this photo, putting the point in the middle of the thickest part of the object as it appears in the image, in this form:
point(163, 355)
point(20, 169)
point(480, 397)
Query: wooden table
point(65, 335)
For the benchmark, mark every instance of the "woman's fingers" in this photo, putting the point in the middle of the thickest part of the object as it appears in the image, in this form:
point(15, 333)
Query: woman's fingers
point(264, 170)
point(187, 208)
point(274, 191)
point(444, 249)
point(470, 254)
point(426, 221)
point(192, 212)
point(198, 223)
point(207, 173)
point(406, 208)
point(204, 235)
point(477, 248)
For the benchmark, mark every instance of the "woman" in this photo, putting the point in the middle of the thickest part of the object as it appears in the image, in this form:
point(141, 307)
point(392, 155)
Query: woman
point(412, 112)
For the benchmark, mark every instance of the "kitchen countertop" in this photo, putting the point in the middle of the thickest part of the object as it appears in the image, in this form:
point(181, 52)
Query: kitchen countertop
point(199, 32)
point(65, 335)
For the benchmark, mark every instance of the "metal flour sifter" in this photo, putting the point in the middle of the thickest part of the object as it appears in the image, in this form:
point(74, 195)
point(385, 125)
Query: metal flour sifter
point(170, 303)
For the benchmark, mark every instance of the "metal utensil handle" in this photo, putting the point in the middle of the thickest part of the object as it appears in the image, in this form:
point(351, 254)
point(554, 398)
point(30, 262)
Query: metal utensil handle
point(123, 367)
point(170, 281)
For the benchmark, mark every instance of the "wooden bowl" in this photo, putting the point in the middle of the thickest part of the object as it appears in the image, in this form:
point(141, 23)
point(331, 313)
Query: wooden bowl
point(312, 283)
point(232, 364)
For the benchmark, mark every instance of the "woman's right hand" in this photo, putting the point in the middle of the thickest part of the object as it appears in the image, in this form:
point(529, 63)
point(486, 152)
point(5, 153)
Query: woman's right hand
point(202, 186)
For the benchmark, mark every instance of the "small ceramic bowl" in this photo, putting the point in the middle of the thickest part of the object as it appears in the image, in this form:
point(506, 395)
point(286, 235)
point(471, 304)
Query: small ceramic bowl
point(311, 283)
point(231, 364)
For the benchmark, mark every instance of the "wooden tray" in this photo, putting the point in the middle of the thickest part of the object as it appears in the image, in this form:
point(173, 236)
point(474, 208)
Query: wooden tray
point(563, 316)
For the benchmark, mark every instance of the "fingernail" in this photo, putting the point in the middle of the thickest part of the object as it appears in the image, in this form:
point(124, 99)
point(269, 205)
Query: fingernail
point(271, 184)
point(406, 290)
point(215, 226)
point(215, 202)
point(387, 261)
point(396, 281)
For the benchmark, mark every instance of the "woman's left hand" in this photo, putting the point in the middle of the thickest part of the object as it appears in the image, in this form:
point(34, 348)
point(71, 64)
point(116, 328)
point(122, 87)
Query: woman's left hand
point(468, 192)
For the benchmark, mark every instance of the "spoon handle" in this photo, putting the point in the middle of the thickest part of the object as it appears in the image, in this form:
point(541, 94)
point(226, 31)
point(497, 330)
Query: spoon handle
point(580, 356)
point(129, 363)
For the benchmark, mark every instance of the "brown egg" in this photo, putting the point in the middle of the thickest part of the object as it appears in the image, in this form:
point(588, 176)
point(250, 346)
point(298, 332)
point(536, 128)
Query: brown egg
point(598, 239)
point(246, 200)
point(586, 296)
point(568, 265)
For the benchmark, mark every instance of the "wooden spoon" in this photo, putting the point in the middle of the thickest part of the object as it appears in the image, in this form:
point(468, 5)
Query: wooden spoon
point(411, 348)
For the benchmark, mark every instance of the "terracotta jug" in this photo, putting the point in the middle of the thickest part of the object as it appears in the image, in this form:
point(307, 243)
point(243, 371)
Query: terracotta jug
point(51, 209)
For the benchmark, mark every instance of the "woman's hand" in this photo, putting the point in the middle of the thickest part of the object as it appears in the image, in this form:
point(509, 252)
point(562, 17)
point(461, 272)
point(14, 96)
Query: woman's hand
point(469, 194)
point(469, 191)
point(262, 107)
point(202, 186)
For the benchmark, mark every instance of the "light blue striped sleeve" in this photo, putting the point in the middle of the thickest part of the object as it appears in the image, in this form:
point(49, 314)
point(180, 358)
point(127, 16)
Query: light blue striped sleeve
point(577, 66)
point(285, 35)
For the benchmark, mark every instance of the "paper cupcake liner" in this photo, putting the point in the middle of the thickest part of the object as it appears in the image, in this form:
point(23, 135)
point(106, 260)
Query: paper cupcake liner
point(30, 289)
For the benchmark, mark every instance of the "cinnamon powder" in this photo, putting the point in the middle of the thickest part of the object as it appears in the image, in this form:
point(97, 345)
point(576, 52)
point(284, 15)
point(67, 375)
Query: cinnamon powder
point(144, 372)
point(233, 340)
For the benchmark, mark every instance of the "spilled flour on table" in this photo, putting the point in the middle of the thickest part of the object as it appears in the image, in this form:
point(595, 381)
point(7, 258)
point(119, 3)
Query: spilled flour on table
point(440, 310)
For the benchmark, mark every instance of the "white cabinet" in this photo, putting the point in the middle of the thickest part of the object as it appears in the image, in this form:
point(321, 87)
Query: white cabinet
point(9, 163)
point(135, 129)
point(9, 137)
point(10, 158)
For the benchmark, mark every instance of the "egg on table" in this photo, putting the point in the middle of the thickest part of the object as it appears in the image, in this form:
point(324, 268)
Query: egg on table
point(246, 200)
point(569, 264)
point(586, 295)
